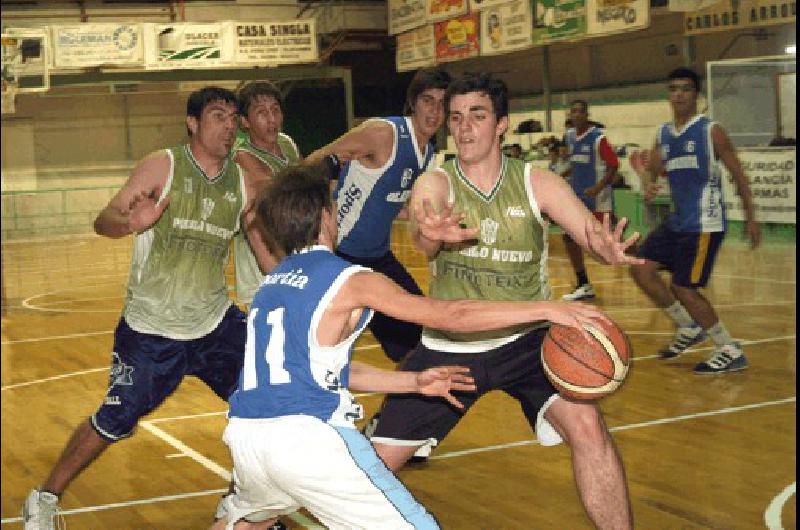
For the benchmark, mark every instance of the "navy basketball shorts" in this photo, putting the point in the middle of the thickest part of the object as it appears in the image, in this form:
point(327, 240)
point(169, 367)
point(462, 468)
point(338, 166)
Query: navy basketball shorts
point(689, 256)
point(396, 337)
point(515, 368)
point(146, 369)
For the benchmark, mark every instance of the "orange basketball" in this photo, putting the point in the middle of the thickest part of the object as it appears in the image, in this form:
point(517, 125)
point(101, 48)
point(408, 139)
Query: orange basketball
point(582, 369)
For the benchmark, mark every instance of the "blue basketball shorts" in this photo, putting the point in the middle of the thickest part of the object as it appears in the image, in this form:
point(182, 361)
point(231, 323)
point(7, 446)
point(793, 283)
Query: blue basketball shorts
point(396, 337)
point(146, 369)
point(689, 256)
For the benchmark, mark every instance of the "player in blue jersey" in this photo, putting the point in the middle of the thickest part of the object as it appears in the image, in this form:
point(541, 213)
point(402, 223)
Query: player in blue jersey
point(689, 150)
point(383, 159)
point(291, 431)
point(592, 171)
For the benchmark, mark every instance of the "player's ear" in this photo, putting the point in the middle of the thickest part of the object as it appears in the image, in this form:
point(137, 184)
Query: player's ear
point(502, 125)
point(191, 124)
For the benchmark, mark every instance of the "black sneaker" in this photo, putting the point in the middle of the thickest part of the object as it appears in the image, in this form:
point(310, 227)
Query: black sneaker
point(684, 339)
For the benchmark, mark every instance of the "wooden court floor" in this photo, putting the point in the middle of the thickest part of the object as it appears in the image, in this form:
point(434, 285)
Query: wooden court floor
point(700, 452)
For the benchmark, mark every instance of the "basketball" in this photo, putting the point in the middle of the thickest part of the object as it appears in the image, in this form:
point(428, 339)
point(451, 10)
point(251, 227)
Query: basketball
point(582, 369)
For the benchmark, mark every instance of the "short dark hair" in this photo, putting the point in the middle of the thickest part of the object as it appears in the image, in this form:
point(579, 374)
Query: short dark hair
point(686, 73)
point(251, 92)
point(290, 208)
point(582, 102)
point(424, 79)
point(201, 98)
point(484, 83)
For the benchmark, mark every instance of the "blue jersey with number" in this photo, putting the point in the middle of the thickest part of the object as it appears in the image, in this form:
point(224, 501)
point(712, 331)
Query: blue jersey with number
point(286, 372)
point(588, 168)
point(695, 180)
point(368, 200)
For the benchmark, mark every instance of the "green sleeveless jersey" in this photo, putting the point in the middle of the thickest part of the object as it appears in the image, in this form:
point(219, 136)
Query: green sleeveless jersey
point(509, 261)
point(177, 285)
point(248, 273)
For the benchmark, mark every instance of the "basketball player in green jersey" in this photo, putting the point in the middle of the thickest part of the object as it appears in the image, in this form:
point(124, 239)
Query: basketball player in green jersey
point(183, 205)
point(262, 153)
point(501, 254)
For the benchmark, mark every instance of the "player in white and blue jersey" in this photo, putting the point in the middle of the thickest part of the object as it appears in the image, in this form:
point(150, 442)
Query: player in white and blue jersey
point(383, 158)
point(291, 428)
point(689, 150)
point(593, 169)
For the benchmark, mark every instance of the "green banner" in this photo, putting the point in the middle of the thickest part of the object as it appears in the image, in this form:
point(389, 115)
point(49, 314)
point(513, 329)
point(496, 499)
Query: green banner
point(555, 20)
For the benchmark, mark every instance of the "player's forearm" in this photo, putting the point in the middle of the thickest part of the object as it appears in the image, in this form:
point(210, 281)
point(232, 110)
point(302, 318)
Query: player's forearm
point(367, 378)
point(112, 223)
point(463, 316)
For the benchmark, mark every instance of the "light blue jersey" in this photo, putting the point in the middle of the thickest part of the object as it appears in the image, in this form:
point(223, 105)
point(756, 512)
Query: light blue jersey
point(368, 200)
point(695, 179)
point(286, 372)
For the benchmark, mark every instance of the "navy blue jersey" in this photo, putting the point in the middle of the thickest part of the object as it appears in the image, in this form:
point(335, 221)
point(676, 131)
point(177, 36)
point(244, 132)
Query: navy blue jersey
point(695, 180)
point(286, 371)
point(588, 167)
point(368, 200)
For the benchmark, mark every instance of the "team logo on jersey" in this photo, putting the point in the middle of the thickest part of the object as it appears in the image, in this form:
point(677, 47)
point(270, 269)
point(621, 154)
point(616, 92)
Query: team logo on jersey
point(229, 196)
point(689, 146)
point(408, 174)
point(120, 372)
point(208, 207)
point(515, 211)
point(584, 148)
point(489, 231)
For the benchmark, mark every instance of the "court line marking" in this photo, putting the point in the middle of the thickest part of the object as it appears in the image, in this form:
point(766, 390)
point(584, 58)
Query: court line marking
point(222, 472)
point(660, 421)
point(213, 466)
point(152, 500)
point(54, 378)
point(772, 517)
point(744, 342)
point(58, 337)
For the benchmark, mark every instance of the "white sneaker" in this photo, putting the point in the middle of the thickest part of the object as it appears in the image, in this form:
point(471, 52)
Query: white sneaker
point(580, 293)
point(40, 511)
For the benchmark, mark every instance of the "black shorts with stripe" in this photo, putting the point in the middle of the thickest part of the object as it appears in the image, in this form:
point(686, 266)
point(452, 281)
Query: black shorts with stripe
point(689, 256)
point(515, 368)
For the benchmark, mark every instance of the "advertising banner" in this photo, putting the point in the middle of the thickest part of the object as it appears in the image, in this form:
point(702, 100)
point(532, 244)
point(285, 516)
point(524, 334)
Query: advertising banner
point(477, 5)
point(274, 43)
point(405, 15)
point(456, 38)
point(182, 45)
point(773, 181)
point(97, 44)
point(613, 16)
point(415, 49)
point(555, 20)
point(736, 14)
point(444, 9)
point(506, 28)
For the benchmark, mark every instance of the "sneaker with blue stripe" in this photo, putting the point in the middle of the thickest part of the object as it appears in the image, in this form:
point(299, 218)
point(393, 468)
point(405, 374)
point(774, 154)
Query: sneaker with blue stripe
point(727, 358)
point(685, 338)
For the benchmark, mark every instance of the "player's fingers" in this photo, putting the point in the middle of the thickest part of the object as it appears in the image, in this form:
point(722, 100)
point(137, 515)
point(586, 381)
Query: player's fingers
point(620, 229)
point(631, 240)
point(453, 401)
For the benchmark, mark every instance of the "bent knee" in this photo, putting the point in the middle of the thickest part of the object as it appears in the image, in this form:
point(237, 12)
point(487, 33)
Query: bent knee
point(582, 424)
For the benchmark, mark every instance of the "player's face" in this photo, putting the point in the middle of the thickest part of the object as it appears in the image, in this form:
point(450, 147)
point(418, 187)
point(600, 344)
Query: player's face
point(475, 127)
point(215, 131)
point(429, 111)
point(682, 96)
point(264, 119)
point(579, 116)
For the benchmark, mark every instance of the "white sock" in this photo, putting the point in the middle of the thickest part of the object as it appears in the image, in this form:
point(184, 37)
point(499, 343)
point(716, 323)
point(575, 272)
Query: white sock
point(719, 334)
point(679, 314)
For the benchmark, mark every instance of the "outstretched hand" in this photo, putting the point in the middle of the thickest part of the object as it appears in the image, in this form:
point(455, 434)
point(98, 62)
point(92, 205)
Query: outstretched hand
point(608, 246)
point(441, 380)
point(144, 211)
point(444, 226)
